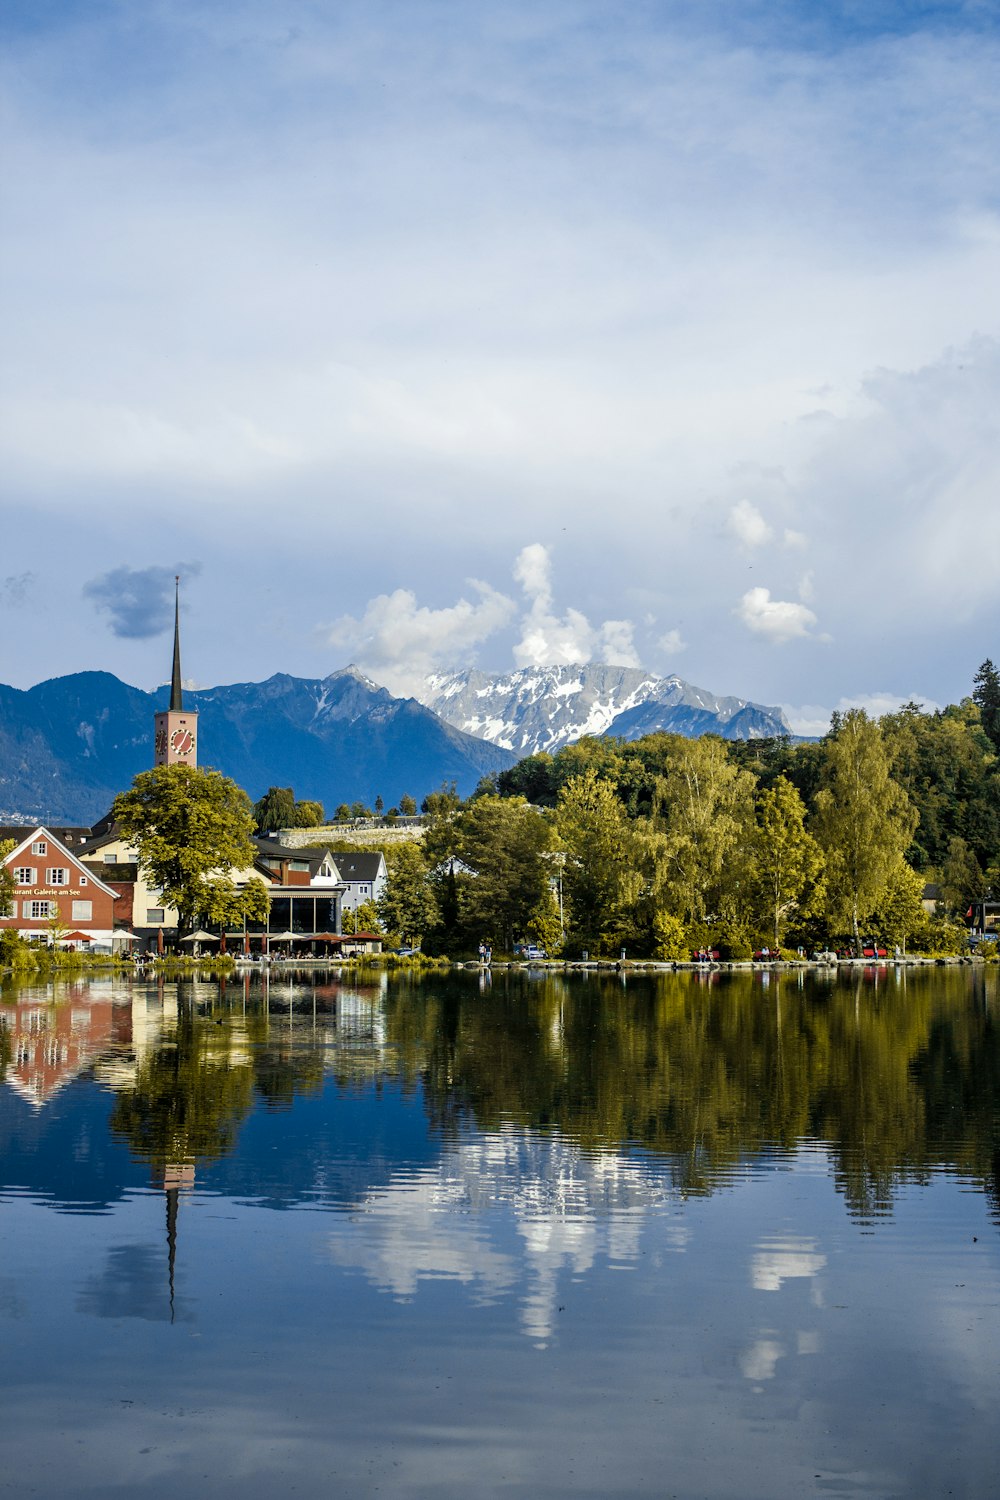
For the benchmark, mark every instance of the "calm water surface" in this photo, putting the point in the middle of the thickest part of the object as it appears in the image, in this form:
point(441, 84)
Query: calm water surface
point(537, 1237)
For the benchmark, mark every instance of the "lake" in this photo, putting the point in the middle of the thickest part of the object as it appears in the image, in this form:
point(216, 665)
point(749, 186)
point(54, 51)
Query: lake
point(521, 1236)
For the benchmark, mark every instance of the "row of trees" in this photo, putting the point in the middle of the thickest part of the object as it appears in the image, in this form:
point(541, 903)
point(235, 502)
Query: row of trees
point(279, 808)
point(668, 844)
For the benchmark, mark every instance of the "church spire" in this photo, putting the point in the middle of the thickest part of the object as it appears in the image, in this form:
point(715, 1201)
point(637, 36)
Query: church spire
point(176, 697)
point(175, 738)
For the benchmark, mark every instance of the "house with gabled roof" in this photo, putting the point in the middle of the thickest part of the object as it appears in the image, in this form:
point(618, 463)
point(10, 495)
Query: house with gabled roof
point(364, 876)
point(56, 894)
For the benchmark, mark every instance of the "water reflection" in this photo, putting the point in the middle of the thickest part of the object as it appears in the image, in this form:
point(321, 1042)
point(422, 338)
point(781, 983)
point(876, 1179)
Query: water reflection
point(534, 1237)
point(896, 1075)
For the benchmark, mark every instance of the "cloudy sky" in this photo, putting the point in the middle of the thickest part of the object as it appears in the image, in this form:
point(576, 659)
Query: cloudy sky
point(423, 333)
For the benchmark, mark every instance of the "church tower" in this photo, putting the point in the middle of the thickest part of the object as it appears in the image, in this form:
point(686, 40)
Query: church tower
point(176, 730)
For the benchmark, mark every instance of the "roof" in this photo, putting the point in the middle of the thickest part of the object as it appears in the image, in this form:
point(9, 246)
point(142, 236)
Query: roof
point(40, 831)
point(358, 867)
point(68, 834)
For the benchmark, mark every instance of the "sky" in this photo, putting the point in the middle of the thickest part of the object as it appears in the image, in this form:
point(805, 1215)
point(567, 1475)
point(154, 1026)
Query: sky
point(425, 334)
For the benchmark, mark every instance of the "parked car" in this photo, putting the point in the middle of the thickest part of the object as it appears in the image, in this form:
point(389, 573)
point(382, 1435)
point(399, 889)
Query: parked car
point(532, 950)
point(406, 952)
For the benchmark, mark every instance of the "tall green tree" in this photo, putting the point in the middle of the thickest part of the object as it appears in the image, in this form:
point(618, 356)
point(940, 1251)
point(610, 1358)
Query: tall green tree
point(502, 844)
point(986, 694)
point(408, 907)
point(279, 809)
point(785, 860)
point(704, 807)
point(276, 809)
point(602, 877)
point(191, 829)
point(863, 821)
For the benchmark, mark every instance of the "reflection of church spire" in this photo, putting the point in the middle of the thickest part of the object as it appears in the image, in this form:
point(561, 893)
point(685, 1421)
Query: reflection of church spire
point(176, 697)
point(172, 1196)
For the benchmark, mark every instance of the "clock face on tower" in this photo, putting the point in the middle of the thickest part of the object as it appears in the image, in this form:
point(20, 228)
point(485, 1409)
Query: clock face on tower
point(182, 742)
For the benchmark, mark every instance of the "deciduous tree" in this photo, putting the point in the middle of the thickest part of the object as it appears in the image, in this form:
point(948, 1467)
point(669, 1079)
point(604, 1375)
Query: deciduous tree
point(785, 860)
point(191, 829)
point(863, 820)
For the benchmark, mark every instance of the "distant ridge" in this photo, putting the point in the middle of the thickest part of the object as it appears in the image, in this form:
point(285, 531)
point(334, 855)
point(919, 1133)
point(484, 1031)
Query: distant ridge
point(544, 708)
point(67, 746)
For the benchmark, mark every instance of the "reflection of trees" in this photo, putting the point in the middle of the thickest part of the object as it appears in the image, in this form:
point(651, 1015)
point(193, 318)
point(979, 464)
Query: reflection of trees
point(188, 1099)
point(897, 1079)
point(194, 1090)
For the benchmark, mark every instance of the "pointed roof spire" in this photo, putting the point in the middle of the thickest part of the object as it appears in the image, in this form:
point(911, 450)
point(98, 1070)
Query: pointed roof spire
point(176, 698)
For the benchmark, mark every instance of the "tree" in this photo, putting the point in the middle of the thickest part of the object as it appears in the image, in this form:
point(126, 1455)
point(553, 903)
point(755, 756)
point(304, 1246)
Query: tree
point(362, 918)
point(408, 906)
point(962, 879)
point(785, 859)
point(407, 806)
point(309, 814)
point(276, 809)
point(986, 694)
point(191, 829)
point(502, 844)
point(279, 809)
point(602, 879)
point(704, 808)
point(863, 820)
point(6, 879)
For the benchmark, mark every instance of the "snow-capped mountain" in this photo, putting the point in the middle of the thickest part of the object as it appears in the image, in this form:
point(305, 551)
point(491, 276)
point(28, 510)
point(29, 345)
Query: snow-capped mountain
point(543, 708)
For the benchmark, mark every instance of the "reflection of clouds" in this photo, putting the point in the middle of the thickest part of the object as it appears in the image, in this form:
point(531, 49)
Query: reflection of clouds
point(783, 1260)
point(760, 1361)
point(569, 1206)
point(135, 1284)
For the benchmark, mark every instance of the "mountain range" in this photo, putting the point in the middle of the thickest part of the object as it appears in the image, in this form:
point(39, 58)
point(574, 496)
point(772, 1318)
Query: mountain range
point(67, 746)
point(543, 708)
point(70, 744)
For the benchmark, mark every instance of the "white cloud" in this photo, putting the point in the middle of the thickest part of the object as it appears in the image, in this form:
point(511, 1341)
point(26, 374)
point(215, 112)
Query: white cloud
point(400, 641)
point(778, 620)
point(748, 525)
point(672, 644)
point(795, 540)
point(548, 639)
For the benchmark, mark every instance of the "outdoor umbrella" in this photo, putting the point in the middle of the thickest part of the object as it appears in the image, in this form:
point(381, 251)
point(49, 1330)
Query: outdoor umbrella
point(201, 936)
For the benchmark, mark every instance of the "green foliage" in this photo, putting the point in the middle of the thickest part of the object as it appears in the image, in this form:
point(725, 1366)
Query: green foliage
point(704, 807)
point(6, 879)
point(191, 829)
point(407, 806)
point(986, 696)
point(602, 879)
point(408, 907)
point(503, 884)
point(962, 880)
point(362, 918)
point(946, 765)
point(279, 809)
point(863, 821)
point(670, 938)
point(785, 862)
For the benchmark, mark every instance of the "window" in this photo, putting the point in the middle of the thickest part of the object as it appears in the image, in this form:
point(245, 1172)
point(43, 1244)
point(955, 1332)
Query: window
point(24, 876)
point(37, 911)
point(83, 911)
point(111, 858)
point(57, 876)
point(84, 880)
point(39, 847)
point(154, 914)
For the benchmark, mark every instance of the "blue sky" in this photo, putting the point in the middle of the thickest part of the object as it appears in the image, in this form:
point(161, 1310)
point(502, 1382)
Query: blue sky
point(429, 334)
